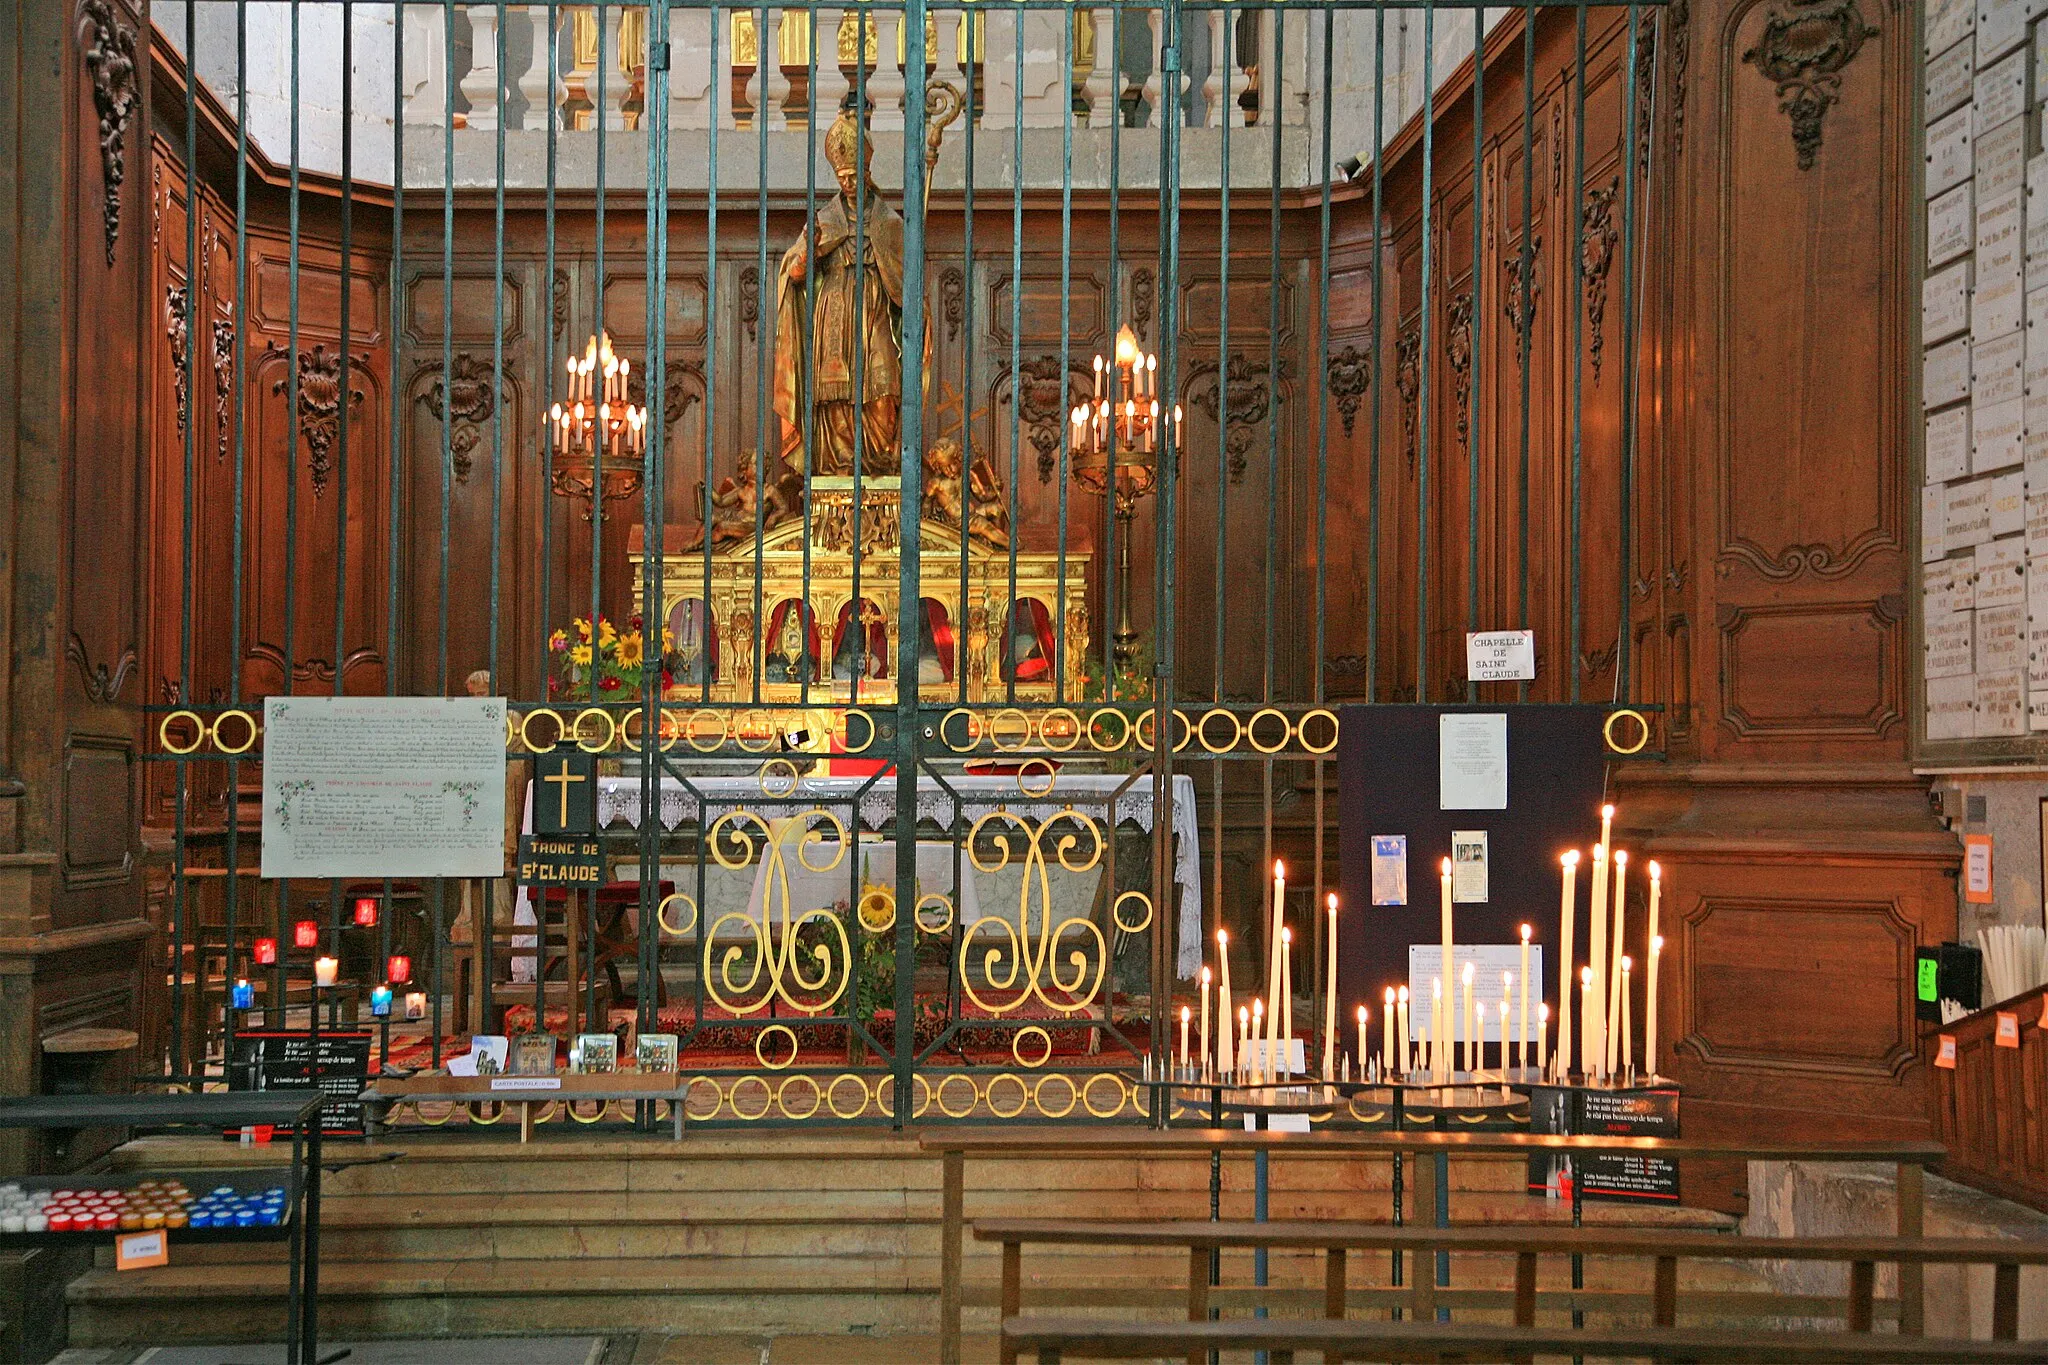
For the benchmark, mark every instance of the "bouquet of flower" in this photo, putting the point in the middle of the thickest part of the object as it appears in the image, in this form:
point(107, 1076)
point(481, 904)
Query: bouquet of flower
point(610, 657)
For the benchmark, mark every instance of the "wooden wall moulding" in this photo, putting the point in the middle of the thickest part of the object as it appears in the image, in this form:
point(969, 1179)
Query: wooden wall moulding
point(469, 402)
point(1248, 393)
point(1144, 298)
point(559, 307)
point(110, 64)
point(99, 815)
point(223, 385)
point(952, 300)
point(1458, 355)
point(1771, 656)
point(682, 388)
point(1518, 305)
point(319, 395)
point(1802, 50)
point(1602, 232)
point(1678, 15)
point(176, 331)
point(1408, 383)
point(1042, 403)
point(1347, 377)
point(103, 682)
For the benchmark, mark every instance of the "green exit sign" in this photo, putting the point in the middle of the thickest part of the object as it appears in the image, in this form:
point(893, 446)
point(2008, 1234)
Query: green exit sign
point(1930, 974)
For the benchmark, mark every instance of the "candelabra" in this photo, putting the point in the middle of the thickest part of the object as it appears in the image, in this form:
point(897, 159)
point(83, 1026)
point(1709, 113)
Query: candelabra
point(597, 434)
point(1117, 440)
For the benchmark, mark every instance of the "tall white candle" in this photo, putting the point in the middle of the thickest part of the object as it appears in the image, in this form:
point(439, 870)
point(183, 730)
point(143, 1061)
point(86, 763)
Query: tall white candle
point(1439, 1063)
point(1656, 951)
point(1284, 1064)
point(1244, 1038)
point(1478, 1037)
point(1262, 1041)
point(1566, 915)
point(1272, 1031)
point(1542, 1036)
point(1330, 1003)
point(1650, 1008)
point(1404, 1056)
point(1450, 966)
point(1592, 1030)
point(1361, 1054)
point(1386, 1035)
point(1184, 1013)
point(1522, 1023)
point(1466, 1021)
point(1586, 1006)
point(1204, 1035)
point(1226, 1054)
point(1507, 993)
point(1614, 986)
point(1628, 1050)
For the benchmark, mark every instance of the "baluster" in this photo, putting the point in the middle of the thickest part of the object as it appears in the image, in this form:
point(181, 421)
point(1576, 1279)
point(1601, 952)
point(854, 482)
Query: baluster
point(746, 59)
point(691, 66)
point(1087, 44)
point(618, 81)
point(793, 49)
point(1298, 89)
point(887, 80)
point(1152, 90)
point(425, 66)
point(537, 84)
point(968, 55)
point(946, 31)
point(1215, 84)
point(1046, 93)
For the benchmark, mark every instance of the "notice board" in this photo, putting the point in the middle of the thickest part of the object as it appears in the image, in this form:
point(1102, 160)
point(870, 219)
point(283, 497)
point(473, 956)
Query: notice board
point(337, 1063)
point(1390, 773)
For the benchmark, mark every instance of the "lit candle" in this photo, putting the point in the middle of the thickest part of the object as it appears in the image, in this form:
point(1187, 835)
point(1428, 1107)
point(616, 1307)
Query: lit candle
point(245, 995)
point(1650, 1001)
point(1614, 987)
point(1450, 966)
point(1244, 1037)
point(1184, 1013)
point(1404, 1056)
point(324, 971)
point(1285, 1063)
point(1330, 1003)
point(1585, 1006)
point(1479, 1038)
point(1650, 1007)
point(1386, 1035)
point(1471, 1053)
point(415, 1004)
point(1262, 1052)
point(398, 969)
point(1273, 948)
point(1226, 1058)
point(380, 1002)
point(1205, 1020)
point(366, 912)
point(1507, 993)
point(1542, 1036)
point(1567, 913)
point(1098, 376)
point(266, 952)
point(1438, 1062)
point(1361, 1054)
point(1592, 1025)
point(305, 934)
point(1628, 1050)
point(1522, 1020)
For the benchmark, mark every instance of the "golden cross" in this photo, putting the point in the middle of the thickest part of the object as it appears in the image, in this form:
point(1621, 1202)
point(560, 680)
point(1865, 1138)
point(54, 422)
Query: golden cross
point(563, 777)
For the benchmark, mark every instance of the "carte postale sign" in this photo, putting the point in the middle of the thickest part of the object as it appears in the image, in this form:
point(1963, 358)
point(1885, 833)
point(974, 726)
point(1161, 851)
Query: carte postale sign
point(560, 860)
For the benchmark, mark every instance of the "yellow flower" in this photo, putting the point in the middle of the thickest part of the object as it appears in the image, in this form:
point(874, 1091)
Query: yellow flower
point(558, 641)
point(582, 628)
point(580, 656)
point(629, 650)
point(606, 633)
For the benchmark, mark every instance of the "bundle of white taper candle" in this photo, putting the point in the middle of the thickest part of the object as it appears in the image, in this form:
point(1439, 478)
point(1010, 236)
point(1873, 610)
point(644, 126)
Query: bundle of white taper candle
point(1256, 1044)
point(2015, 960)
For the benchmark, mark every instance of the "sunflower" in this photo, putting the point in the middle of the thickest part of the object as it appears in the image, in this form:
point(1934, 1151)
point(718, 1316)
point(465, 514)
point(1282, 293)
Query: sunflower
point(580, 656)
point(630, 650)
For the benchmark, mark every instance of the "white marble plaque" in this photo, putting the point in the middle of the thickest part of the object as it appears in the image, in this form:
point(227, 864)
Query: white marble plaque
point(1998, 232)
point(2001, 574)
point(1952, 707)
point(1951, 646)
point(1944, 303)
point(2037, 711)
point(2037, 601)
point(1950, 227)
point(1968, 513)
point(1950, 78)
point(1948, 445)
point(2036, 532)
point(1998, 371)
point(2001, 92)
point(2001, 639)
point(1996, 438)
point(384, 787)
point(2001, 155)
point(1938, 587)
point(2009, 505)
point(2001, 24)
point(1948, 151)
point(1945, 373)
point(2002, 703)
point(1996, 306)
point(2037, 344)
point(1934, 524)
point(1948, 22)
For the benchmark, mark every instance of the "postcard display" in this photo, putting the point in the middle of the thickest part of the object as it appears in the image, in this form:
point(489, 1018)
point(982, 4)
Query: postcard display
point(1984, 389)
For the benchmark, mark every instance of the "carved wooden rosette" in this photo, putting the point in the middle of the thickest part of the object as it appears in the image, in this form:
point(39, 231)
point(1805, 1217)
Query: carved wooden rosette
point(1249, 393)
point(1597, 258)
point(1803, 50)
point(1518, 306)
point(319, 379)
point(1347, 377)
point(109, 47)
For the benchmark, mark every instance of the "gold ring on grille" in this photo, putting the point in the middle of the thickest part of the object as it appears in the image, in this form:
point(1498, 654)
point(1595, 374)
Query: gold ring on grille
point(1017, 1047)
point(1607, 731)
point(1024, 770)
point(1251, 730)
point(761, 1042)
point(1301, 729)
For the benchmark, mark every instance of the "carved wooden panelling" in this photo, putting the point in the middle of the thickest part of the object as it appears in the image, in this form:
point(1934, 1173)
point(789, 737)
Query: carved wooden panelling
point(1809, 470)
point(425, 317)
point(270, 298)
point(1799, 984)
point(1774, 658)
point(1042, 303)
point(1251, 302)
point(99, 809)
point(625, 308)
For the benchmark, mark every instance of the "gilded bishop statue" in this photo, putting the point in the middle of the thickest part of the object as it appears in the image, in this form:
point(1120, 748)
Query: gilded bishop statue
point(841, 266)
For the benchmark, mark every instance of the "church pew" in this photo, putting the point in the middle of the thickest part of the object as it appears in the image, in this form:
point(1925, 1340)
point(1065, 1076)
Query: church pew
point(954, 1146)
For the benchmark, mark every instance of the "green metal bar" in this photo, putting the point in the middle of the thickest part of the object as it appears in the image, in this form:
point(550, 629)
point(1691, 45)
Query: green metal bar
point(498, 93)
point(1059, 636)
point(548, 369)
point(1008, 653)
point(187, 419)
point(1165, 914)
point(765, 429)
point(597, 514)
point(1270, 110)
point(1626, 625)
point(972, 119)
point(1424, 394)
point(1379, 357)
point(1524, 321)
point(236, 548)
point(654, 118)
point(806, 615)
point(1476, 322)
point(394, 292)
point(1578, 308)
point(908, 729)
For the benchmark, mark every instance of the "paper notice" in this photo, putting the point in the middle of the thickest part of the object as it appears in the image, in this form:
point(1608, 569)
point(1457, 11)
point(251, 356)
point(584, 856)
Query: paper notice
point(1389, 869)
point(1472, 761)
point(1468, 866)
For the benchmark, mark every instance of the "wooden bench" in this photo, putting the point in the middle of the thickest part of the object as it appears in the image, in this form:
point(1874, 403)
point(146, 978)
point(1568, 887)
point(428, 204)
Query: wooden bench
point(955, 1145)
point(1052, 1340)
point(1525, 1244)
